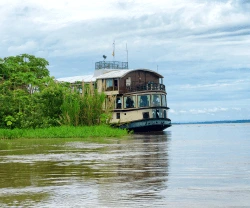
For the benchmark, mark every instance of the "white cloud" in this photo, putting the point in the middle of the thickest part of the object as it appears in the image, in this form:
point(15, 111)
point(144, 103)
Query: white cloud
point(219, 84)
point(201, 47)
point(237, 109)
point(27, 47)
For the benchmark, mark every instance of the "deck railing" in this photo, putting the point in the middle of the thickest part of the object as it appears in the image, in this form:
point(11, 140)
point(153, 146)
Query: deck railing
point(144, 87)
point(111, 65)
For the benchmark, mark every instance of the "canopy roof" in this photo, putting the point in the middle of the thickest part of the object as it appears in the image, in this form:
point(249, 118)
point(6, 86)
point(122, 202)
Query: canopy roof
point(85, 78)
point(108, 75)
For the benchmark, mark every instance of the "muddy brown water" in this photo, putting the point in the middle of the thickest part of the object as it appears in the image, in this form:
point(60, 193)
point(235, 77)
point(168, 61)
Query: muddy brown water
point(185, 166)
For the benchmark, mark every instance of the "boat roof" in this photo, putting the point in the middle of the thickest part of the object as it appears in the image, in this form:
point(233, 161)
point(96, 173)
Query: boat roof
point(119, 73)
point(85, 78)
point(114, 74)
point(122, 73)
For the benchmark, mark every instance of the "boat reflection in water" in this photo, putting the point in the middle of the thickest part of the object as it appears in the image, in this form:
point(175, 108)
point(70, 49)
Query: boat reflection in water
point(138, 172)
point(81, 174)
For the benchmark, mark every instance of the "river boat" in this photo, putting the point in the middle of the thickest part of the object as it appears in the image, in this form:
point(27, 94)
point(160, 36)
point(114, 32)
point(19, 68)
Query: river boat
point(138, 95)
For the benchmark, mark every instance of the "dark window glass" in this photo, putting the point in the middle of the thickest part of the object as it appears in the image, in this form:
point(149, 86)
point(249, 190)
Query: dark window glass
point(118, 115)
point(145, 115)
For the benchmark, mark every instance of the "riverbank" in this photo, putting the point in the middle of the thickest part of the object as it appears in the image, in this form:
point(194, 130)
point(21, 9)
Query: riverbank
point(63, 132)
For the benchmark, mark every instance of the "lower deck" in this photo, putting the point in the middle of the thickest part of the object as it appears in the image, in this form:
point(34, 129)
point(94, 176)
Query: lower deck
point(141, 111)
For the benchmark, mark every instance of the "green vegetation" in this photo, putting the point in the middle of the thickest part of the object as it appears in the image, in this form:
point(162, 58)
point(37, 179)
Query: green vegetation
point(37, 138)
point(31, 99)
point(81, 109)
point(63, 132)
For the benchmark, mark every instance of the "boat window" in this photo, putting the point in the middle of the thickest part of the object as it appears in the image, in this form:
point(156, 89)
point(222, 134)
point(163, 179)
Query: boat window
point(118, 116)
point(118, 103)
point(145, 115)
point(115, 84)
point(156, 100)
point(129, 102)
point(143, 100)
point(164, 101)
point(128, 82)
point(156, 113)
point(164, 114)
point(109, 84)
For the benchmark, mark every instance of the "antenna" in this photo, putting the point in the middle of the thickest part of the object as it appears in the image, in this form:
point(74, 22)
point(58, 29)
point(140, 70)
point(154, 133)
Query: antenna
point(127, 52)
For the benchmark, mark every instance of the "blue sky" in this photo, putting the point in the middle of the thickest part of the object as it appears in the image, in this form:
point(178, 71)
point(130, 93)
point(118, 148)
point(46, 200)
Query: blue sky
point(202, 48)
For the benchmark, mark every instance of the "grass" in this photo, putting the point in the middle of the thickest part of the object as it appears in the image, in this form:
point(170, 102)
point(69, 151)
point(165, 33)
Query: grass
point(33, 138)
point(99, 131)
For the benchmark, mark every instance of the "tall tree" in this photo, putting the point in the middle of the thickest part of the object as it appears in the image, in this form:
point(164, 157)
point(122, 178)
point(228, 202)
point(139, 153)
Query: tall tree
point(24, 71)
point(20, 77)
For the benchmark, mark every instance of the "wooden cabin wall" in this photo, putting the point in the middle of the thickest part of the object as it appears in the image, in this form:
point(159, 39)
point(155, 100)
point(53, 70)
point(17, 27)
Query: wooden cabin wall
point(139, 78)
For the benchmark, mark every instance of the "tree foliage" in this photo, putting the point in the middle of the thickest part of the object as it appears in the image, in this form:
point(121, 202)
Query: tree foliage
point(30, 98)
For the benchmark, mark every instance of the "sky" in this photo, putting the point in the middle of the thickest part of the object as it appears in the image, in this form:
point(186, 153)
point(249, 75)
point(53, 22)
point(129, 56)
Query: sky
point(202, 48)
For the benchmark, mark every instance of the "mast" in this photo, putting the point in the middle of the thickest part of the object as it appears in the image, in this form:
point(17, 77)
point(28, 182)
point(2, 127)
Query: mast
point(113, 54)
point(127, 52)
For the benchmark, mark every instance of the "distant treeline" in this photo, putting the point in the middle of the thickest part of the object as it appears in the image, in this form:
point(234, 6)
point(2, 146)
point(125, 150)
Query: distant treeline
point(30, 98)
point(214, 122)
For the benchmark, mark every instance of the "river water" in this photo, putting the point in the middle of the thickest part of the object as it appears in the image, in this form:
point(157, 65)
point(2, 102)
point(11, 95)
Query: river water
point(185, 166)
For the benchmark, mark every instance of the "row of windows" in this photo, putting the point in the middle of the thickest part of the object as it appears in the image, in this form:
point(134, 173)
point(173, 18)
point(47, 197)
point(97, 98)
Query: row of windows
point(141, 101)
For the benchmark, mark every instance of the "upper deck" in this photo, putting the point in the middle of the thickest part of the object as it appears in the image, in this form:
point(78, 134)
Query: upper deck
point(116, 80)
point(114, 77)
